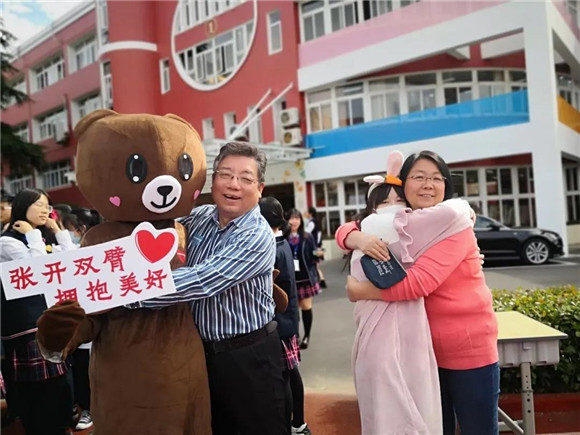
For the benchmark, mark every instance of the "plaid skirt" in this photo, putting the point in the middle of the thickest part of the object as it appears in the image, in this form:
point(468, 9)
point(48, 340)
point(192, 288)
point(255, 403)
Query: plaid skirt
point(305, 290)
point(290, 352)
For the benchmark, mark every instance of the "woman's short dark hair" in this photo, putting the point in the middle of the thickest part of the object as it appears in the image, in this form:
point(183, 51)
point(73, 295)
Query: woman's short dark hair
point(437, 160)
point(273, 212)
point(24, 199)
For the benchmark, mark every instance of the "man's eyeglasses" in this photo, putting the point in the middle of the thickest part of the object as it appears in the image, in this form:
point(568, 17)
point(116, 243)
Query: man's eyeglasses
point(228, 176)
point(40, 204)
point(436, 179)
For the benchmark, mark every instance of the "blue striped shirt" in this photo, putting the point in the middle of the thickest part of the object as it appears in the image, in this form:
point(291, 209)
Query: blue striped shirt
point(228, 278)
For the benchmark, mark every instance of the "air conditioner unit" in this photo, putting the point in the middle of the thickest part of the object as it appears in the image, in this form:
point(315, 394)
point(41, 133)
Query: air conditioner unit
point(289, 117)
point(59, 131)
point(292, 136)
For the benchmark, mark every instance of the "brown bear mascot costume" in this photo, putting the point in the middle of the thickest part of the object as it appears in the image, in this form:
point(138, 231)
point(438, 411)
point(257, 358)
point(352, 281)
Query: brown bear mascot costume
point(147, 369)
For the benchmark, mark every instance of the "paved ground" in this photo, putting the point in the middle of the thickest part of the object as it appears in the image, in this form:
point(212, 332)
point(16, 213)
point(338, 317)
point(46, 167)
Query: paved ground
point(326, 363)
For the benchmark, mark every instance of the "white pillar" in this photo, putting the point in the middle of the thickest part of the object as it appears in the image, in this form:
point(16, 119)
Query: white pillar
point(542, 92)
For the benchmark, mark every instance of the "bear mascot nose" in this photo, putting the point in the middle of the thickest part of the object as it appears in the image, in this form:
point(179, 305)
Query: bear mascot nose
point(164, 190)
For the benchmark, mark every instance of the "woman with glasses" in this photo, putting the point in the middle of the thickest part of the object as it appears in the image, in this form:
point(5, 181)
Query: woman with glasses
point(458, 302)
point(38, 390)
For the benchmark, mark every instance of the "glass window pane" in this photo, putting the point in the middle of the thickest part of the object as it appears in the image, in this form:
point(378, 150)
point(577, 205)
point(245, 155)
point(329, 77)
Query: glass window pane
point(384, 84)
point(414, 101)
point(421, 79)
point(506, 180)
point(458, 178)
point(490, 76)
point(319, 195)
point(450, 96)
point(518, 76)
point(314, 119)
point(456, 76)
point(352, 89)
point(318, 25)
point(335, 19)
point(358, 116)
point(310, 6)
point(308, 28)
point(525, 212)
point(274, 17)
point(471, 179)
point(523, 180)
point(393, 106)
point(493, 210)
point(362, 191)
point(349, 15)
point(350, 214)
point(465, 94)
point(507, 211)
point(326, 117)
point(332, 190)
point(333, 221)
point(570, 208)
point(429, 99)
point(350, 193)
point(491, 181)
point(315, 97)
point(378, 107)
point(343, 114)
point(476, 206)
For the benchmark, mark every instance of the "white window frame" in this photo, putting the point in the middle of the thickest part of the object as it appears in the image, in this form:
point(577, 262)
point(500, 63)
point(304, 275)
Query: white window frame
point(391, 89)
point(349, 99)
point(229, 123)
point(89, 104)
point(47, 124)
point(164, 75)
point(107, 85)
point(195, 12)
point(22, 132)
point(571, 192)
point(255, 134)
point(310, 15)
point(341, 8)
point(318, 107)
point(49, 73)
point(15, 185)
point(274, 27)
point(55, 175)
point(85, 53)
point(208, 129)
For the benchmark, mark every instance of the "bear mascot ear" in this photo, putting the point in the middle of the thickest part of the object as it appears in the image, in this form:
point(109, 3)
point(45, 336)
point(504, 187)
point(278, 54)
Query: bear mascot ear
point(86, 121)
point(180, 119)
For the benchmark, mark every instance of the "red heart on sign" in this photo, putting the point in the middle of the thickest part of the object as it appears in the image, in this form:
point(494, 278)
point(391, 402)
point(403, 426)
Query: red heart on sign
point(154, 248)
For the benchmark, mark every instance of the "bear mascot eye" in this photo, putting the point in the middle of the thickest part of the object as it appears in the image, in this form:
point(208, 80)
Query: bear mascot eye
point(136, 168)
point(185, 166)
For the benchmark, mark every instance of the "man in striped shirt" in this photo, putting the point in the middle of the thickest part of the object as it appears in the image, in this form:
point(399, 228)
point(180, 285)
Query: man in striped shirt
point(228, 279)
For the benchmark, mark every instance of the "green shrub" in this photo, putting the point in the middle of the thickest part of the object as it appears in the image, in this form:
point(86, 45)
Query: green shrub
point(558, 307)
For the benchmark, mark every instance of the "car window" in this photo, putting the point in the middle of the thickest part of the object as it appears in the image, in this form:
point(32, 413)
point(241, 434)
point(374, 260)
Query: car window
point(482, 223)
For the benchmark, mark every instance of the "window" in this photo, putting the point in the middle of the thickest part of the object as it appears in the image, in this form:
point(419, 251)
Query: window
point(194, 12)
point(212, 61)
point(51, 126)
point(49, 73)
point(312, 19)
point(378, 7)
point(229, 123)
point(572, 175)
point(89, 104)
point(103, 20)
point(55, 174)
point(421, 92)
point(108, 81)
point(274, 32)
point(319, 110)
point(457, 86)
point(491, 83)
point(350, 104)
point(208, 129)
point(518, 80)
point(15, 185)
point(22, 132)
point(19, 85)
point(255, 128)
point(164, 69)
point(85, 53)
point(343, 14)
point(385, 98)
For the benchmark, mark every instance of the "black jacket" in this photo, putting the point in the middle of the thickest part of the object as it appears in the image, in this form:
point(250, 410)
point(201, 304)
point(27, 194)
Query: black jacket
point(19, 315)
point(288, 320)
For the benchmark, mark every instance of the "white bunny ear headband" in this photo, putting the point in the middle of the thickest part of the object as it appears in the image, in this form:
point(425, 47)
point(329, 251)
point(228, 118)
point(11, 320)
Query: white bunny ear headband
point(394, 165)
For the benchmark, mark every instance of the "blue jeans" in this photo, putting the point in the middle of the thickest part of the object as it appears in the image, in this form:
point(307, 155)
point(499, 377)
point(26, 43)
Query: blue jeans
point(471, 396)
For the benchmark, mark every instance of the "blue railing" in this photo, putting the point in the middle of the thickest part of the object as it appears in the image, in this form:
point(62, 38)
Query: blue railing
point(499, 111)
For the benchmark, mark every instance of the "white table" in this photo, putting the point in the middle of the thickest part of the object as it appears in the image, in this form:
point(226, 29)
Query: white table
point(525, 342)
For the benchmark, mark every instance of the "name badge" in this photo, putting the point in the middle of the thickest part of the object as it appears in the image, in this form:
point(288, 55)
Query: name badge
point(296, 265)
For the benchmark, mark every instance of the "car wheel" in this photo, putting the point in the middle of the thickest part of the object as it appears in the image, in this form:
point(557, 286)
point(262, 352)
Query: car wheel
point(536, 251)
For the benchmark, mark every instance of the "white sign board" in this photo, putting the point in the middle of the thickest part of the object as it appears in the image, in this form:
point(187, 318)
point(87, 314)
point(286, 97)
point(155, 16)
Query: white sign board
point(99, 277)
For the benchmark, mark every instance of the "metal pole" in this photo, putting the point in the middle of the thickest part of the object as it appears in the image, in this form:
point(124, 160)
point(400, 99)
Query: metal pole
point(257, 115)
point(527, 400)
point(242, 124)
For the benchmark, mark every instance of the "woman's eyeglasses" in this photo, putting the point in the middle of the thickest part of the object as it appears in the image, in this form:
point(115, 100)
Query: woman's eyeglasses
point(436, 179)
point(41, 204)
